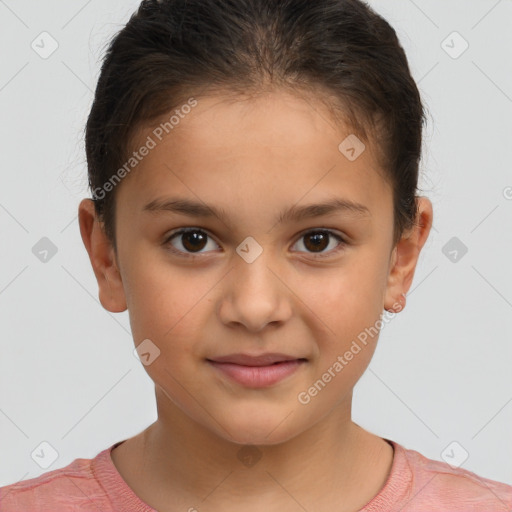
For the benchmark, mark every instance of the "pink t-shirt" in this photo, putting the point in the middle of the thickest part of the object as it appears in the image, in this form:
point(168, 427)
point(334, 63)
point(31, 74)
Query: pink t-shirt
point(415, 484)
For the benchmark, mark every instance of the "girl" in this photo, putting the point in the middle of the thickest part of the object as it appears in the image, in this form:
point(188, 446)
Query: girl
point(253, 167)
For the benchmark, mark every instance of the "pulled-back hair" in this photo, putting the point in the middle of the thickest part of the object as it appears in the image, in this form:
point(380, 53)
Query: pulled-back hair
point(173, 50)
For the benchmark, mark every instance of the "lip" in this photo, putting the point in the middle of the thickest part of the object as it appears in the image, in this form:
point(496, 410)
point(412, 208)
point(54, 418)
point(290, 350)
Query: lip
point(257, 371)
point(261, 360)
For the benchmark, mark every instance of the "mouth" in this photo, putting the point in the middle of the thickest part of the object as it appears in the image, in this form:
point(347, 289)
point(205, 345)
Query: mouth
point(261, 360)
point(257, 371)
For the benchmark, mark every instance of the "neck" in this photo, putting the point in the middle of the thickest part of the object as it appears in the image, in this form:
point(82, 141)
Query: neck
point(184, 462)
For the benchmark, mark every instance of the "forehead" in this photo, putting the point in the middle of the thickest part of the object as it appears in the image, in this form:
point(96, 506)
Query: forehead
point(274, 148)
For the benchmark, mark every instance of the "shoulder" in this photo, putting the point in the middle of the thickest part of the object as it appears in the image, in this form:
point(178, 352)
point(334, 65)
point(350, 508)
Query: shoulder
point(73, 488)
point(438, 485)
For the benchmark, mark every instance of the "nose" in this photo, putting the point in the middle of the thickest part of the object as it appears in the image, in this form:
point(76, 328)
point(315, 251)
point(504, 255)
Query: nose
point(255, 295)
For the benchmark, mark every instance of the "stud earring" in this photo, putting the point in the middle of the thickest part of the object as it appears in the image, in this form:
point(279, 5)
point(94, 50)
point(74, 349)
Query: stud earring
point(402, 300)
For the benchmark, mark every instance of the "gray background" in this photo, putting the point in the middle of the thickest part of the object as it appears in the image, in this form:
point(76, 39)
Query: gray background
point(441, 372)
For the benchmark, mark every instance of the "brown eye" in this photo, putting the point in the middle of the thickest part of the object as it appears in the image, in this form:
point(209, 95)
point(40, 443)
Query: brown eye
point(318, 240)
point(191, 241)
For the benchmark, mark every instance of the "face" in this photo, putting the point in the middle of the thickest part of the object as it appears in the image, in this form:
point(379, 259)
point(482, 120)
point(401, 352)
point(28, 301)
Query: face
point(258, 278)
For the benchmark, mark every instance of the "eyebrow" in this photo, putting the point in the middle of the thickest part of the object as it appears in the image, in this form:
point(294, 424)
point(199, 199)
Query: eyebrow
point(295, 213)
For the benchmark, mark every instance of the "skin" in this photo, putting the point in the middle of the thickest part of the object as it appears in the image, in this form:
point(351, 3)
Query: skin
point(253, 158)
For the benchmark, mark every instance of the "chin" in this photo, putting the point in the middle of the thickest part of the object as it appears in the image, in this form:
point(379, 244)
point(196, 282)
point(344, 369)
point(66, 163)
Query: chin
point(260, 431)
point(251, 437)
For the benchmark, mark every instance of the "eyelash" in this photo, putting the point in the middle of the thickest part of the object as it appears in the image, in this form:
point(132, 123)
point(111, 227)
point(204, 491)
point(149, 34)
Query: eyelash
point(331, 233)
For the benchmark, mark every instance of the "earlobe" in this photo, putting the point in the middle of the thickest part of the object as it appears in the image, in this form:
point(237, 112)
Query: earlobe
point(102, 257)
point(405, 257)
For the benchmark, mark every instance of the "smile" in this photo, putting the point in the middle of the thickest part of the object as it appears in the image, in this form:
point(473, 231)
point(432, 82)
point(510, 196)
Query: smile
point(258, 376)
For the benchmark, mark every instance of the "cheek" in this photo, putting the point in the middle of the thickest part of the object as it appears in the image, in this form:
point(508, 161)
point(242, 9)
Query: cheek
point(163, 305)
point(163, 310)
point(346, 298)
point(347, 305)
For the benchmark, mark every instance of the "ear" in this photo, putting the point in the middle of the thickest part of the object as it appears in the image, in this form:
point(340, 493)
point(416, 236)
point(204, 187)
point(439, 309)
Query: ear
point(103, 258)
point(405, 256)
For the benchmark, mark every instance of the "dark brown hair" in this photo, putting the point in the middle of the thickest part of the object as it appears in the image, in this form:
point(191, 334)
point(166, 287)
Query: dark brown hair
point(340, 50)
